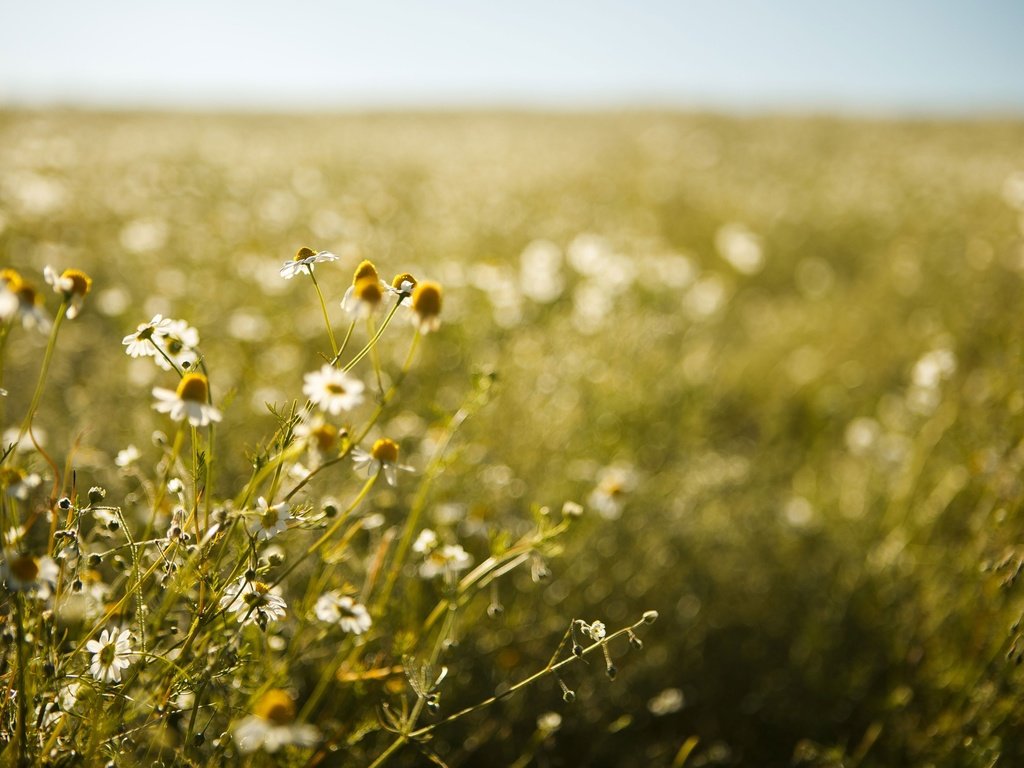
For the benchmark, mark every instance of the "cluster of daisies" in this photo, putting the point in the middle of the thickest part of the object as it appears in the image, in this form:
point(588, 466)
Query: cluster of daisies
point(19, 298)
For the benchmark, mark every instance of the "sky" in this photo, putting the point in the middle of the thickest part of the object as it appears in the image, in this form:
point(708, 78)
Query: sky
point(887, 56)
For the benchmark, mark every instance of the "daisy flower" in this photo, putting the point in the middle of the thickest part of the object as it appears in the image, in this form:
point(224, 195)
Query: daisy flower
point(403, 286)
point(143, 343)
point(25, 573)
point(189, 401)
point(304, 261)
point(10, 282)
point(320, 437)
point(272, 725)
point(426, 306)
point(266, 521)
point(72, 284)
point(613, 486)
point(253, 602)
point(127, 456)
point(335, 608)
point(449, 559)
point(366, 292)
point(30, 308)
point(425, 542)
point(17, 483)
point(382, 456)
point(178, 340)
point(111, 653)
point(333, 390)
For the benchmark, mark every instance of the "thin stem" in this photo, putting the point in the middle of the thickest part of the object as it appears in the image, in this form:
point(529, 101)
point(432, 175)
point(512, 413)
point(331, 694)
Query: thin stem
point(323, 307)
point(51, 345)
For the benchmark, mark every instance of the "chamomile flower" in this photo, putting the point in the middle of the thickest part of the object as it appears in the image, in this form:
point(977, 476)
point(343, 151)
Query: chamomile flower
point(425, 542)
point(335, 608)
point(367, 291)
point(143, 343)
point(320, 437)
point(382, 456)
point(403, 286)
point(613, 486)
point(426, 306)
point(332, 390)
point(189, 401)
point(72, 284)
point(178, 341)
point(111, 653)
point(266, 521)
point(30, 308)
point(25, 573)
point(272, 725)
point(449, 559)
point(18, 483)
point(127, 456)
point(253, 602)
point(10, 281)
point(304, 261)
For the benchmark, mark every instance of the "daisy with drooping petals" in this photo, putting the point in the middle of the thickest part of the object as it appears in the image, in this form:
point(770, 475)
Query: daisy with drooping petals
point(272, 725)
point(382, 456)
point(10, 281)
point(426, 306)
point(304, 261)
point(143, 343)
point(111, 653)
point(366, 292)
point(335, 608)
point(332, 390)
point(30, 308)
point(266, 521)
point(72, 284)
point(403, 286)
point(189, 401)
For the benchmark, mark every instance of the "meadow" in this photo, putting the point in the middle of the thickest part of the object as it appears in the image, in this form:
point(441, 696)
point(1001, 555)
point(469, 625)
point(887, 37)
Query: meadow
point(760, 375)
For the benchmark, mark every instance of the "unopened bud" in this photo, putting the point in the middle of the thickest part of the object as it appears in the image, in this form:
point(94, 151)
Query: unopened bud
point(650, 617)
point(97, 494)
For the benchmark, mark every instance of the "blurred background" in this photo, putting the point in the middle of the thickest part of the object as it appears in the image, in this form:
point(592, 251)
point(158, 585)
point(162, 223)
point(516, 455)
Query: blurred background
point(749, 274)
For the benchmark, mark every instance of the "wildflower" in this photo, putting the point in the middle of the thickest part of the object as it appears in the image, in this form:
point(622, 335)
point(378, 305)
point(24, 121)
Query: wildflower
point(320, 437)
point(25, 573)
point(366, 292)
point(178, 341)
point(268, 521)
point(72, 284)
point(335, 608)
point(596, 631)
point(10, 282)
point(110, 654)
point(382, 456)
point(30, 308)
point(143, 343)
point(449, 559)
point(333, 390)
point(127, 456)
point(403, 286)
point(425, 542)
point(253, 602)
point(609, 497)
point(304, 261)
point(17, 483)
point(272, 725)
point(426, 306)
point(189, 400)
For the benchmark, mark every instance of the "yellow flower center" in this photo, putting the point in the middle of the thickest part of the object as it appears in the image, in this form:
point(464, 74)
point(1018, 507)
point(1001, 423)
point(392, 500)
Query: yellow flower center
point(193, 387)
point(10, 476)
point(276, 706)
point(24, 568)
point(11, 279)
point(385, 451)
point(365, 269)
point(261, 587)
point(269, 519)
point(426, 299)
point(304, 253)
point(368, 289)
point(80, 282)
point(324, 437)
point(405, 277)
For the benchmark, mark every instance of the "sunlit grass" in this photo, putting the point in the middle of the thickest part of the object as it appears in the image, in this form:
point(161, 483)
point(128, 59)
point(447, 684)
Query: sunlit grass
point(777, 362)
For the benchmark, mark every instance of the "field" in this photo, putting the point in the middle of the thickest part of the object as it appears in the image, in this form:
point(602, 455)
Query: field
point(776, 361)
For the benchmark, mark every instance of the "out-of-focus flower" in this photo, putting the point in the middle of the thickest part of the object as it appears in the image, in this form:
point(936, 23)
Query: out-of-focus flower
point(189, 401)
point(25, 573)
point(272, 725)
point(18, 483)
point(449, 559)
point(335, 608)
point(366, 292)
point(426, 306)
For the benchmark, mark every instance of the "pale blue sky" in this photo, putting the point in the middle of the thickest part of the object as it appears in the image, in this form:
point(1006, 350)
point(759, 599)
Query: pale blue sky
point(902, 56)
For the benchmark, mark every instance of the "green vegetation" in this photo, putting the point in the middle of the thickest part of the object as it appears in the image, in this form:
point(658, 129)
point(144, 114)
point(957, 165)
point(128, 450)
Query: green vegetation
point(776, 360)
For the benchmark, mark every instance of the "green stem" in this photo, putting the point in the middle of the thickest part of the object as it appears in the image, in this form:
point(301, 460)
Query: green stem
point(323, 307)
point(51, 345)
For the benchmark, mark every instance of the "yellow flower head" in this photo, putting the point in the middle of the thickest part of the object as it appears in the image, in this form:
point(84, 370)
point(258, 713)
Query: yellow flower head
point(426, 306)
point(275, 706)
point(194, 387)
point(385, 451)
point(364, 270)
